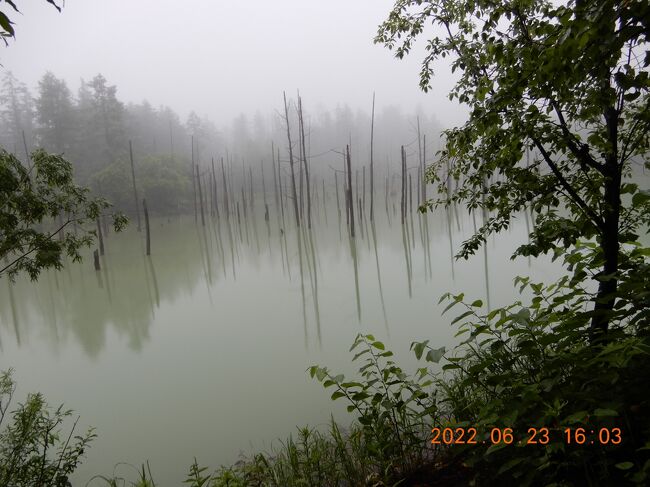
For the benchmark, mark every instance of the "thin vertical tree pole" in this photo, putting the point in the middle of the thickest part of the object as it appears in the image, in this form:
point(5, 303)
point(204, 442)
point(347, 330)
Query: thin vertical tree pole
point(372, 164)
point(28, 159)
point(243, 187)
point(364, 189)
point(336, 188)
point(280, 187)
point(135, 190)
point(211, 192)
point(293, 176)
point(386, 195)
point(100, 237)
point(350, 196)
point(263, 183)
point(225, 191)
point(198, 182)
point(266, 205)
point(410, 194)
point(275, 176)
point(356, 182)
point(403, 188)
point(96, 260)
point(196, 215)
point(146, 225)
point(345, 189)
point(324, 200)
point(215, 198)
point(304, 159)
point(250, 180)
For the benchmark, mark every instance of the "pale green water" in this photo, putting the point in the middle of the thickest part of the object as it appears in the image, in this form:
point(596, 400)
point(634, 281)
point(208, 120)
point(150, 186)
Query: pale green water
point(201, 350)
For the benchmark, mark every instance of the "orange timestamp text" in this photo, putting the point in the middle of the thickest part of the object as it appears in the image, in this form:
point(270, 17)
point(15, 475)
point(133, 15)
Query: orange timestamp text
point(533, 436)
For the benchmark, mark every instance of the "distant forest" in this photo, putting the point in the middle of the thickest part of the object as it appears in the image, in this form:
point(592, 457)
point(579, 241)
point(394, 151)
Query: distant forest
point(93, 128)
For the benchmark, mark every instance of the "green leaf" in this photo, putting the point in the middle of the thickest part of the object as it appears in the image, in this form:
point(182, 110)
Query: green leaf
point(450, 367)
point(460, 317)
point(418, 348)
point(6, 24)
point(640, 198)
point(579, 417)
point(624, 465)
point(435, 355)
point(599, 413)
point(497, 447)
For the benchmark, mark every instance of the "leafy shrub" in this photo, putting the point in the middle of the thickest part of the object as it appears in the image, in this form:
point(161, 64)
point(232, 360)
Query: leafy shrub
point(537, 366)
point(395, 410)
point(32, 450)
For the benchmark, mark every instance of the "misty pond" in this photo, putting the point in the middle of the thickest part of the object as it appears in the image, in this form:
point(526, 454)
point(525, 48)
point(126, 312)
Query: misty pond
point(200, 350)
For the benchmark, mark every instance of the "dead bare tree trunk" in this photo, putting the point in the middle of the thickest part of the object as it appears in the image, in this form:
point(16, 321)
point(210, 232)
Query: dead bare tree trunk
point(410, 194)
point(146, 226)
point(198, 182)
point(403, 192)
point(251, 197)
point(336, 188)
point(350, 196)
point(100, 237)
point(364, 189)
point(275, 176)
point(225, 191)
point(304, 159)
point(215, 199)
point(293, 176)
point(196, 213)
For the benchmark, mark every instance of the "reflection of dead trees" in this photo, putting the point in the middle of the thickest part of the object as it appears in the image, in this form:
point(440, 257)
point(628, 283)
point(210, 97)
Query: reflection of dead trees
point(349, 198)
point(146, 223)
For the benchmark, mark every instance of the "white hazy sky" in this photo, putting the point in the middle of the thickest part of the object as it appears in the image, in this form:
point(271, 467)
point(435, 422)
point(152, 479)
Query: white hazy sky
point(224, 57)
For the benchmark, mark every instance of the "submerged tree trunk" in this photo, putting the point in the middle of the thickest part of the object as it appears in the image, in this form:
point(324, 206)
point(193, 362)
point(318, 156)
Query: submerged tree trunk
point(100, 237)
point(304, 160)
point(198, 182)
point(215, 199)
point(196, 215)
point(293, 176)
point(350, 196)
point(225, 191)
point(146, 226)
point(403, 188)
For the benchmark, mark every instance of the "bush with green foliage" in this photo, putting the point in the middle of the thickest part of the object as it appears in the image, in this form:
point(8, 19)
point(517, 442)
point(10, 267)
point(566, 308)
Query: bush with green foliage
point(164, 181)
point(39, 207)
point(34, 451)
point(533, 366)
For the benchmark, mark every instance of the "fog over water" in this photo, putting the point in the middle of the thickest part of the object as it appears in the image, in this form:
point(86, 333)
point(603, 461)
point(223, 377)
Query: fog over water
point(225, 58)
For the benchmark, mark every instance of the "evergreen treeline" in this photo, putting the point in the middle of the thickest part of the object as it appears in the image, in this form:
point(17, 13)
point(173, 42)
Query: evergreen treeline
point(92, 128)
